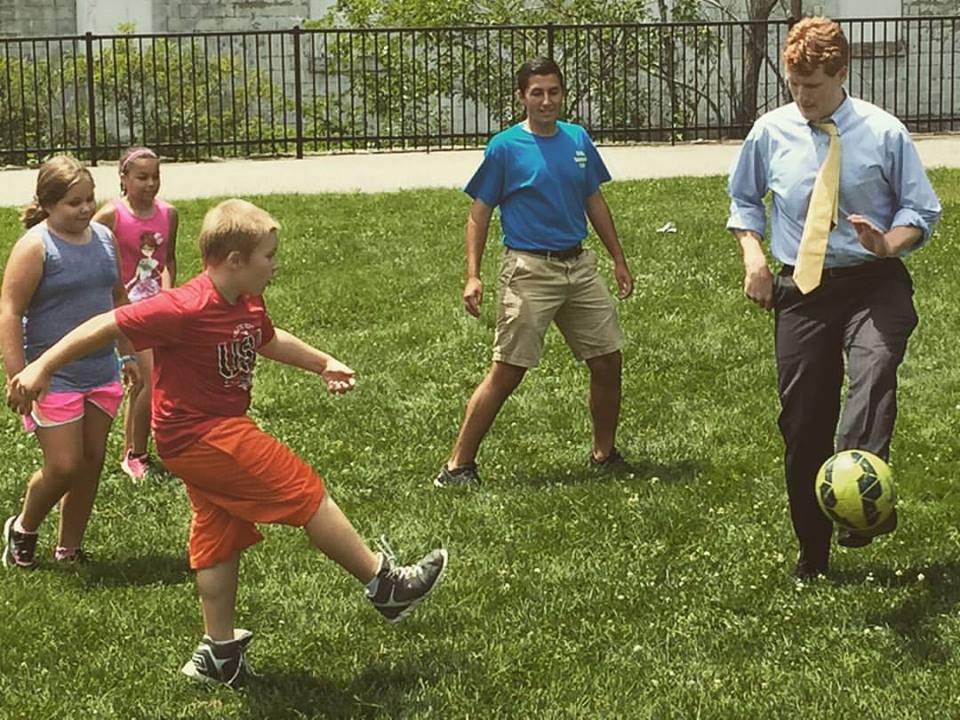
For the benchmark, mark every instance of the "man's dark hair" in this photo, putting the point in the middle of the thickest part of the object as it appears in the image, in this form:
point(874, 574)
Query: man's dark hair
point(537, 66)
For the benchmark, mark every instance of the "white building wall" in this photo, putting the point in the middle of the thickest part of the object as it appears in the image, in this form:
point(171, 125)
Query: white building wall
point(105, 16)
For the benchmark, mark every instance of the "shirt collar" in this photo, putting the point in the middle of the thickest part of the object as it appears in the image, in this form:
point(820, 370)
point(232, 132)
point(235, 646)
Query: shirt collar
point(841, 117)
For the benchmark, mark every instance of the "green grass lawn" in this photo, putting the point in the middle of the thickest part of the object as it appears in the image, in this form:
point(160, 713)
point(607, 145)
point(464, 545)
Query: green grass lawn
point(663, 593)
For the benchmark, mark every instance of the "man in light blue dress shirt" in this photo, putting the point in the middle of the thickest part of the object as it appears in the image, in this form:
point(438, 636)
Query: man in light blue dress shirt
point(862, 310)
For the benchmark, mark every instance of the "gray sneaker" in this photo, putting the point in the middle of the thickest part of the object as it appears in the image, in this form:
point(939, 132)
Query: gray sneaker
point(18, 547)
point(403, 587)
point(459, 477)
point(221, 663)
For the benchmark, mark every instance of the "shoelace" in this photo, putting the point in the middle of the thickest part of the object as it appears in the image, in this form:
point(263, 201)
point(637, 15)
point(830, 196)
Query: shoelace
point(397, 572)
point(386, 550)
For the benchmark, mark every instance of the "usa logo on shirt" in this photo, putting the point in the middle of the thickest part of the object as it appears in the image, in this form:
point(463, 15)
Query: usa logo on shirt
point(580, 158)
point(237, 357)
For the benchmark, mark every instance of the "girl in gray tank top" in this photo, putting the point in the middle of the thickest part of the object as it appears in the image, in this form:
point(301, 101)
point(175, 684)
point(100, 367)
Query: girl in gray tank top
point(61, 273)
point(77, 283)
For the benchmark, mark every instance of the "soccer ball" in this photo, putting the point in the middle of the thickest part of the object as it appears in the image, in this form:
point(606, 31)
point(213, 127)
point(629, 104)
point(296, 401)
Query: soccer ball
point(855, 489)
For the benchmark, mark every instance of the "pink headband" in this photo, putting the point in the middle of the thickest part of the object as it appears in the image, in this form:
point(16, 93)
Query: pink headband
point(142, 152)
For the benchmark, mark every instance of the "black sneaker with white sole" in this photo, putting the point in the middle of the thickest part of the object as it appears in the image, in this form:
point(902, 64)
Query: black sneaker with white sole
point(613, 461)
point(402, 587)
point(463, 476)
point(221, 663)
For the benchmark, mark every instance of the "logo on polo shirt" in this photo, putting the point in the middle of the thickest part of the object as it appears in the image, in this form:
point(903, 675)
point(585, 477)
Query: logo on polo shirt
point(580, 158)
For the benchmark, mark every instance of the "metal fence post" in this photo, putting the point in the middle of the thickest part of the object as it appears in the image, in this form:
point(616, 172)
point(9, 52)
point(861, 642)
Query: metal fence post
point(550, 38)
point(297, 90)
point(91, 99)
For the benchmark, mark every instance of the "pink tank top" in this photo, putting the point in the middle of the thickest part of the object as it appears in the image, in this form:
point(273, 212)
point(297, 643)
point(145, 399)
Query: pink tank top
point(143, 247)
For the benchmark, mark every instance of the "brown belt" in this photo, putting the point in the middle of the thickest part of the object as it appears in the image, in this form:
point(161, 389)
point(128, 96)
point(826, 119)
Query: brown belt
point(567, 254)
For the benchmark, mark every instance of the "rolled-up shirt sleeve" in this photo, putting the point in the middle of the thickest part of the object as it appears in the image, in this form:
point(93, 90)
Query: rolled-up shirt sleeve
point(918, 205)
point(747, 186)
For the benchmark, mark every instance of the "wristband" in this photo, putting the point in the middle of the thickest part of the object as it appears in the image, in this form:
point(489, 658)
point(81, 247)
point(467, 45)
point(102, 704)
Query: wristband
point(128, 358)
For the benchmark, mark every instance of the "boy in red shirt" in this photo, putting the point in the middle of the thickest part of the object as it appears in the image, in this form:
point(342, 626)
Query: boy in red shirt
point(206, 336)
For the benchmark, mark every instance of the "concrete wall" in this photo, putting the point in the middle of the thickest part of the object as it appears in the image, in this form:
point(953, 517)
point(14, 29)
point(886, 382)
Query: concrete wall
point(238, 15)
point(930, 7)
point(61, 17)
point(38, 17)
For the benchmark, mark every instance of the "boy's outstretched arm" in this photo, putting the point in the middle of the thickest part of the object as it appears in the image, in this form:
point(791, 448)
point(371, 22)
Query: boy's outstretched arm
point(291, 350)
point(31, 382)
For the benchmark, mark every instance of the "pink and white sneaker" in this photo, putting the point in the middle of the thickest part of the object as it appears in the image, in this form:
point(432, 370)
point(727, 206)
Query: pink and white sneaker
point(136, 466)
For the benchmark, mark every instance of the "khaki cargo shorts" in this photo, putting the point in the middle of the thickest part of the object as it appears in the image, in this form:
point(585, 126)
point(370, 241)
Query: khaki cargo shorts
point(534, 290)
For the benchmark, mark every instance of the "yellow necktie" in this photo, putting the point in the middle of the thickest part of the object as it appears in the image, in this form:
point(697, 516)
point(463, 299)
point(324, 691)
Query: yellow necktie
point(821, 216)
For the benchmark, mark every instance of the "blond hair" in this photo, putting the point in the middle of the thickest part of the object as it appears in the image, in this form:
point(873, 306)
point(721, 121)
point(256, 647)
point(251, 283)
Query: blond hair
point(57, 175)
point(233, 225)
point(816, 41)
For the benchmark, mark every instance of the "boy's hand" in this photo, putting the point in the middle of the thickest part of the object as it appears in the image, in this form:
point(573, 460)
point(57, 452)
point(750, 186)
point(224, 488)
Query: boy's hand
point(473, 296)
point(339, 377)
point(25, 387)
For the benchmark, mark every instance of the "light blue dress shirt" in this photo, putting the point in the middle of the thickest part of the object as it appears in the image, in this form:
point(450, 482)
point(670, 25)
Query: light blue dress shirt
point(881, 178)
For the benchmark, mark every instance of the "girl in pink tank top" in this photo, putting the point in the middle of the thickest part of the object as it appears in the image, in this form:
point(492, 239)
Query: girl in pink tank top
point(146, 232)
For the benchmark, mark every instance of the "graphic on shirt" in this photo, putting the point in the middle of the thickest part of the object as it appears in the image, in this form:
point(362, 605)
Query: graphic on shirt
point(237, 357)
point(146, 279)
point(580, 157)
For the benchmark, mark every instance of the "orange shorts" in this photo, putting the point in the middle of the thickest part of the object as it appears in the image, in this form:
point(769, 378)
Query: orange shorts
point(236, 476)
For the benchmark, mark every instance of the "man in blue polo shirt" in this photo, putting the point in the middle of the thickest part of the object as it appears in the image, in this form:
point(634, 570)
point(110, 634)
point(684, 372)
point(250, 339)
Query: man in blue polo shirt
point(850, 198)
point(545, 176)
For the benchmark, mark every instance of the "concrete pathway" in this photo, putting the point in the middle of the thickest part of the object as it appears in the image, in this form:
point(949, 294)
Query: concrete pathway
point(384, 172)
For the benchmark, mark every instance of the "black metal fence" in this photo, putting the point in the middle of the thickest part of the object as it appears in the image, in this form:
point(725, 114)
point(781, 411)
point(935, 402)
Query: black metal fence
point(195, 96)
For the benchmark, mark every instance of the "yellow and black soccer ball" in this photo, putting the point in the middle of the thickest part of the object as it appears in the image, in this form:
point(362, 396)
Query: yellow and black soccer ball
point(855, 489)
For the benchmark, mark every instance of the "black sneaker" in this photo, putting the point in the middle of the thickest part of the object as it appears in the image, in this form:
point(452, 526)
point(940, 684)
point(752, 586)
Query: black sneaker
point(807, 569)
point(460, 477)
point(403, 587)
point(613, 461)
point(221, 663)
point(862, 538)
point(18, 547)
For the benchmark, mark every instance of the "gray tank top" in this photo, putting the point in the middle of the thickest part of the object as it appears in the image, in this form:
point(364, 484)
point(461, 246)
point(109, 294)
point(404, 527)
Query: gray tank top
point(77, 283)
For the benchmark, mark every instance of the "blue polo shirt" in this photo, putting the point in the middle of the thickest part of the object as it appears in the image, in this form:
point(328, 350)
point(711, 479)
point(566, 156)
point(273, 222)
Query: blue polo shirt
point(540, 185)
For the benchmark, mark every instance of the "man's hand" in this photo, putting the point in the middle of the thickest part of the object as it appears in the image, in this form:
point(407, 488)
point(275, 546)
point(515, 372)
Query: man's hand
point(758, 285)
point(473, 296)
point(896, 240)
point(624, 279)
point(870, 236)
point(339, 377)
point(25, 387)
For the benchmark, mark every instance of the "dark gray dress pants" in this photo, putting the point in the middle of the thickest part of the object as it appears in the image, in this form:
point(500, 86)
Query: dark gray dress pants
point(863, 315)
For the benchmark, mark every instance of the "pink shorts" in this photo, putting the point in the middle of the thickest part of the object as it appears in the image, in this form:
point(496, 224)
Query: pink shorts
point(61, 408)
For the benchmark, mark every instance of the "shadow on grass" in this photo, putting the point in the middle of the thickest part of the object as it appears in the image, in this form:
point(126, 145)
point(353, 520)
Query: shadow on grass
point(639, 471)
point(915, 621)
point(135, 571)
point(379, 691)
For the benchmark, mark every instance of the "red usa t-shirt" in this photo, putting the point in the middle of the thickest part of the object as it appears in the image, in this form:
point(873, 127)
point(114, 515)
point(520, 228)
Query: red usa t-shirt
point(204, 352)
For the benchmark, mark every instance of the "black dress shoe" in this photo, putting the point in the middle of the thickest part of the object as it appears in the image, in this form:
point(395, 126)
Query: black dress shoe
point(808, 568)
point(861, 538)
